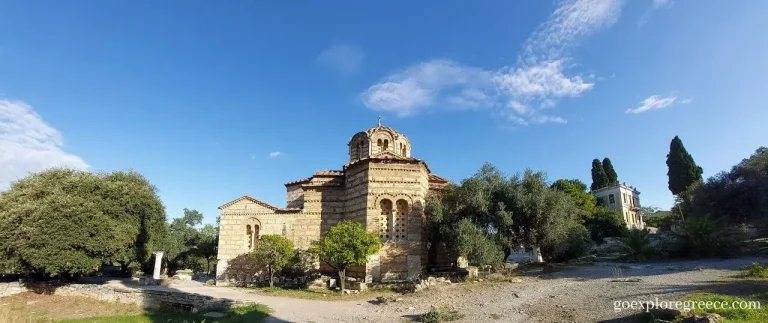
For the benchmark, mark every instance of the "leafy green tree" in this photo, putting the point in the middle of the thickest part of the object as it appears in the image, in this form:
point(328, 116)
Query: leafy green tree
point(69, 222)
point(599, 178)
point(484, 199)
point(273, 253)
point(183, 241)
point(208, 245)
point(345, 244)
point(610, 173)
point(541, 214)
point(573, 242)
point(473, 242)
point(511, 211)
point(129, 196)
point(577, 190)
point(606, 222)
point(739, 196)
point(683, 171)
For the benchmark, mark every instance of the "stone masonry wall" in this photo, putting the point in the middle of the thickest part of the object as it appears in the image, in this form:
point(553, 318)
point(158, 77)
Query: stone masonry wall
point(295, 196)
point(233, 237)
point(403, 251)
point(141, 297)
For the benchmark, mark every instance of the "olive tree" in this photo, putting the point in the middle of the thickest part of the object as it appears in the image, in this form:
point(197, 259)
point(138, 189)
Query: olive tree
point(273, 252)
point(344, 245)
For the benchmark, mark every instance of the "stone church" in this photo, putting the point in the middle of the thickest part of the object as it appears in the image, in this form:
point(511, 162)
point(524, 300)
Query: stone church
point(382, 187)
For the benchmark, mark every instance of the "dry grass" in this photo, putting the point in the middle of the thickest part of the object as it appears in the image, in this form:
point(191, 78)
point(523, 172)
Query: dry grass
point(31, 307)
point(40, 308)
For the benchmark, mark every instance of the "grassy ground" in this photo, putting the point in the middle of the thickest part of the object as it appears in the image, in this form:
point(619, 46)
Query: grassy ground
point(735, 315)
point(319, 294)
point(35, 308)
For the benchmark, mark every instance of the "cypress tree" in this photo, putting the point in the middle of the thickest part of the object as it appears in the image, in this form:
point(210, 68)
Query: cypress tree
point(613, 178)
point(683, 171)
point(599, 179)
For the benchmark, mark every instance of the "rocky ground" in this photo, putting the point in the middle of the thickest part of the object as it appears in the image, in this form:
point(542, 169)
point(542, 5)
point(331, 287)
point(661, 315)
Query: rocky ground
point(579, 294)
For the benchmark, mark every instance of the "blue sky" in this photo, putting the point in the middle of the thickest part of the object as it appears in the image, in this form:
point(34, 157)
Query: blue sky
point(213, 100)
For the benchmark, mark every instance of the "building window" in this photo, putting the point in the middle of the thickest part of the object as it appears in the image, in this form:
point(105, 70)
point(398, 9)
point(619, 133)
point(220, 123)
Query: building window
point(252, 235)
point(386, 219)
point(403, 152)
point(400, 222)
point(611, 199)
point(386, 144)
point(359, 150)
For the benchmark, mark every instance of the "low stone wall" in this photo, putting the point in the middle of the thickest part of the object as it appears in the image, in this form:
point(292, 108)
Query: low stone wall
point(145, 298)
point(12, 288)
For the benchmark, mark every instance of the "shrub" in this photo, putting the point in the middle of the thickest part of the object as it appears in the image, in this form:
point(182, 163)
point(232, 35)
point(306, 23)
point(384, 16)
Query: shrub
point(574, 242)
point(606, 222)
point(755, 271)
point(637, 245)
point(705, 237)
point(436, 315)
point(242, 267)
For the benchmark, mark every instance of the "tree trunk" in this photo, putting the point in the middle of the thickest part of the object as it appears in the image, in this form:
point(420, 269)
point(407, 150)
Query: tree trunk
point(342, 278)
point(432, 254)
point(271, 279)
point(207, 266)
point(507, 252)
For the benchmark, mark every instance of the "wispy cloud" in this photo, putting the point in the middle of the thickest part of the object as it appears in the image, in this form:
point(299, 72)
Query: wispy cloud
point(661, 3)
point(275, 154)
point(656, 102)
point(537, 81)
point(343, 58)
point(28, 144)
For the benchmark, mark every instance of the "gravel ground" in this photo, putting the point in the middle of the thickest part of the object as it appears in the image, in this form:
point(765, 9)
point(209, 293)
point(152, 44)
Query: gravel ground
point(579, 294)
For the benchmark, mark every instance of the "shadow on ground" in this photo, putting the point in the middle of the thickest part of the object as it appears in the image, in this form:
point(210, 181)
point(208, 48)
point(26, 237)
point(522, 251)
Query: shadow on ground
point(611, 270)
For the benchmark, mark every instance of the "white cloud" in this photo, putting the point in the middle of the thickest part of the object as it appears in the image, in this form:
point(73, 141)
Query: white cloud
point(661, 3)
point(655, 102)
point(537, 81)
point(275, 154)
point(344, 58)
point(437, 82)
point(28, 144)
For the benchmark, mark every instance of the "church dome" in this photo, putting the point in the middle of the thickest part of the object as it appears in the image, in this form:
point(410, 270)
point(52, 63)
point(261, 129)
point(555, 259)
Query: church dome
point(378, 141)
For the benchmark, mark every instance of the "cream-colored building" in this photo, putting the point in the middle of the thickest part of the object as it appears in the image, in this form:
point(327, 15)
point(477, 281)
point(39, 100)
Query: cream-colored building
point(382, 187)
point(623, 197)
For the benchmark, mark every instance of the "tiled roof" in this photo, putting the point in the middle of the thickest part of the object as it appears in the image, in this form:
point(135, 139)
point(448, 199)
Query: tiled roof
point(246, 197)
point(329, 173)
point(435, 178)
point(298, 181)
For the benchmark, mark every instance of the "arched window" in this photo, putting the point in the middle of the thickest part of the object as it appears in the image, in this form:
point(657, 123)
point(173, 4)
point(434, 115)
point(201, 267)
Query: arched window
point(360, 150)
point(378, 145)
point(386, 144)
point(385, 219)
point(401, 220)
point(248, 235)
point(252, 235)
point(403, 151)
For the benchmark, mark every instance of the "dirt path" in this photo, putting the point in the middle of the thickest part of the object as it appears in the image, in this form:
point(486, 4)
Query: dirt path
point(583, 294)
